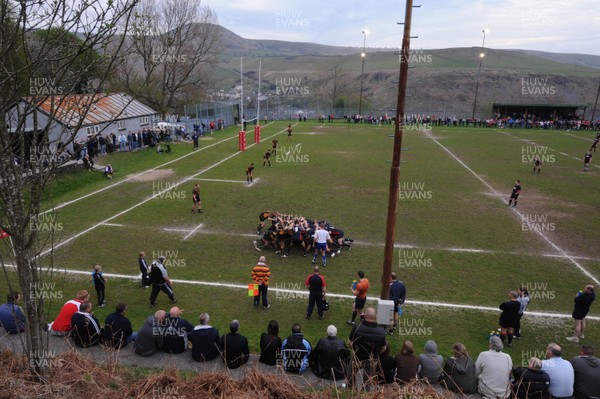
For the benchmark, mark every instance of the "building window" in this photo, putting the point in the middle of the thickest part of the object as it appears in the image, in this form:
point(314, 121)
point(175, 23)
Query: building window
point(144, 121)
point(120, 125)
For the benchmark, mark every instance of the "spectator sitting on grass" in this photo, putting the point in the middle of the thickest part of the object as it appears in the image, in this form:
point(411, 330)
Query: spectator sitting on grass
point(108, 171)
point(176, 332)
point(205, 340)
point(117, 328)
point(86, 330)
point(12, 317)
point(149, 337)
point(235, 347)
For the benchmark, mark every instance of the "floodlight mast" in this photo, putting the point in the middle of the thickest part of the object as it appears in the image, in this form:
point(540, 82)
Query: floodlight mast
point(390, 230)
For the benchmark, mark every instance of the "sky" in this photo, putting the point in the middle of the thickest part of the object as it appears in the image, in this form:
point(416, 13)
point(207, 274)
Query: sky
point(543, 25)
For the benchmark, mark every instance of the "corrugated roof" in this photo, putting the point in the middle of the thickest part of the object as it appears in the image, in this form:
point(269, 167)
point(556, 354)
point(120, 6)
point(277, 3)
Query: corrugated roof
point(93, 108)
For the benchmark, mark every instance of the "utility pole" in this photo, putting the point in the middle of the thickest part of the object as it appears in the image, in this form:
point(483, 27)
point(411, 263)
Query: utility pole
point(390, 230)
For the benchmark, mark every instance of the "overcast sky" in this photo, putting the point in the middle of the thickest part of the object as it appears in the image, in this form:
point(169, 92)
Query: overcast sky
point(545, 25)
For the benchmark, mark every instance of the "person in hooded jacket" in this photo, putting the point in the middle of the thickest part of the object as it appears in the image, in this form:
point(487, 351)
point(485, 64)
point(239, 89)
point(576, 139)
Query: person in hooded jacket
point(587, 374)
point(459, 371)
point(430, 363)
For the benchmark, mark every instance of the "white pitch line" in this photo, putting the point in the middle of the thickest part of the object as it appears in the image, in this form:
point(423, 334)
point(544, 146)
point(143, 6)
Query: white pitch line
point(538, 232)
point(114, 224)
point(158, 194)
point(193, 231)
point(137, 175)
point(179, 230)
point(329, 294)
point(551, 149)
point(253, 181)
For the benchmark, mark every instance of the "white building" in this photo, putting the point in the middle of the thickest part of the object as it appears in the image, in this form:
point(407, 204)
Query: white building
point(75, 117)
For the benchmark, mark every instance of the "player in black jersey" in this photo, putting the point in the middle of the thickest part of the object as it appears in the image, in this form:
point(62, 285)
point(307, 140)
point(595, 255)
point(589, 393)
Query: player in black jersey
point(537, 164)
point(266, 158)
point(249, 171)
point(514, 196)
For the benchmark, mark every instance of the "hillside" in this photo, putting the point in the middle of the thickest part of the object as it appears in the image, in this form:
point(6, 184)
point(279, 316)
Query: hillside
point(443, 80)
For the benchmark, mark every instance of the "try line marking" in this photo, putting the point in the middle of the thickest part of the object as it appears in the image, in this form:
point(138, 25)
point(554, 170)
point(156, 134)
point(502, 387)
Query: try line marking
point(331, 295)
point(538, 232)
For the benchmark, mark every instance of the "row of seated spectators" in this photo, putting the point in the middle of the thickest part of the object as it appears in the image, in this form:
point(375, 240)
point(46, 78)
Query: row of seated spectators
point(366, 352)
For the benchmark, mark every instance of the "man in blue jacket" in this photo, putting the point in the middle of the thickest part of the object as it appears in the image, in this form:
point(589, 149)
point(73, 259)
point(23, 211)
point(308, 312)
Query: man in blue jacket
point(295, 351)
point(12, 317)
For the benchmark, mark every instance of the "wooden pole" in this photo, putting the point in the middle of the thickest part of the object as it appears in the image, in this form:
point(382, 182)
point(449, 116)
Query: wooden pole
point(390, 231)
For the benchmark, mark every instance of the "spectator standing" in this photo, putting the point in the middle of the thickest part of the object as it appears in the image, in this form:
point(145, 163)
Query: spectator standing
point(144, 269)
point(583, 301)
point(368, 341)
point(99, 285)
point(398, 295)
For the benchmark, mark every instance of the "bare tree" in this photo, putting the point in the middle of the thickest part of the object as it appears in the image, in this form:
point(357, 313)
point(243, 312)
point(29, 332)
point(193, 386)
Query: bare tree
point(48, 52)
point(171, 49)
point(333, 84)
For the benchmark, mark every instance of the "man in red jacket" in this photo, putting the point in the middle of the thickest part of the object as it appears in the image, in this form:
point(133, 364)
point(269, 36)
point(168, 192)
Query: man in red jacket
point(61, 326)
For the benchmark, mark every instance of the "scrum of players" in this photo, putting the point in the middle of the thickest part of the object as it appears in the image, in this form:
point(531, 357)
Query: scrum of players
point(292, 231)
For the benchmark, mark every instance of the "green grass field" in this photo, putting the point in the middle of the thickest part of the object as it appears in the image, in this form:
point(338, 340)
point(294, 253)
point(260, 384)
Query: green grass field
point(460, 243)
